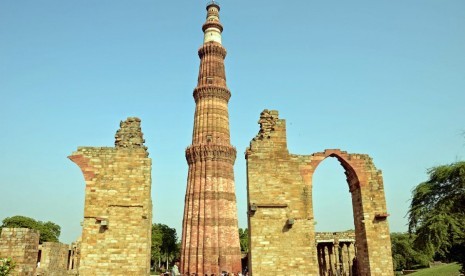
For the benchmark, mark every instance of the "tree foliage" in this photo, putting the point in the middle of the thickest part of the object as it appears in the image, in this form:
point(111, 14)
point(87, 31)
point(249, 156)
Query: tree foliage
point(244, 239)
point(404, 254)
point(49, 231)
point(164, 243)
point(6, 266)
point(437, 212)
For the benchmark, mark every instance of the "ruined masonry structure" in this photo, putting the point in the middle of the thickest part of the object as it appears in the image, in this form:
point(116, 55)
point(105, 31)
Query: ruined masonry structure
point(32, 258)
point(53, 259)
point(210, 238)
point(22, 245)
point(336, 253)
point(281, 225)
point(75, 255)
point(116, 231)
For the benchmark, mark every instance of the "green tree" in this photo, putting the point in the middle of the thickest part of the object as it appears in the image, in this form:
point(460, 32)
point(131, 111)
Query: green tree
point(244, 239)
point(164, 244)
point(157, 239)
point(49, 231)
point(404, 254)
point(437, 213)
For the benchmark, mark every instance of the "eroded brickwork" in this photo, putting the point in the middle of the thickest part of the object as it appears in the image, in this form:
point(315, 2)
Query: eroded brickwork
point(116, 233)
point(22, 245)
point(281, 224)
point(210, 238)
point(75, 256)
point(335, 236)
point(53, 259)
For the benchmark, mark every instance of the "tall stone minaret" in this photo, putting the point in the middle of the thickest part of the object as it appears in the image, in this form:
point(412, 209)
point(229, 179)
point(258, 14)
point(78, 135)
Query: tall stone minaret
point(210, 238)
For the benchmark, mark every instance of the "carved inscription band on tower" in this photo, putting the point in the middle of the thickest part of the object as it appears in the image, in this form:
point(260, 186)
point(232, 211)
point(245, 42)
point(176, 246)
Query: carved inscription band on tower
point(210, 238)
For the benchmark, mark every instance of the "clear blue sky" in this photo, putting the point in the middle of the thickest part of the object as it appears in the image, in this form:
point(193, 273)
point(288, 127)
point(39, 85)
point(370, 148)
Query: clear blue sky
point(385, 78)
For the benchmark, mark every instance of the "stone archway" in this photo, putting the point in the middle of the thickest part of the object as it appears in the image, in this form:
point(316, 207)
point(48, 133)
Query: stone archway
point(281, 225)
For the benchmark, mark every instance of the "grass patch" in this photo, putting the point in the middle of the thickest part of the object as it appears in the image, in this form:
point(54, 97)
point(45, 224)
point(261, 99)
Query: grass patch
point(443, 270)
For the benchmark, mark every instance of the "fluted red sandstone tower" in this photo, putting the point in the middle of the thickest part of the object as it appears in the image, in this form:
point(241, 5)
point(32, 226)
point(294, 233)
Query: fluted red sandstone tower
point(210, 239)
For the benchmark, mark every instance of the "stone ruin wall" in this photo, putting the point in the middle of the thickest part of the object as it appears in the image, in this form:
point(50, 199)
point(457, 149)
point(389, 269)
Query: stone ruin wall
point(75, 256)
point(53, 259)
point(117, 217)
point(116, 234)
point(276, 197)
point(281, 223)
point(22, 245)
point(57, 259)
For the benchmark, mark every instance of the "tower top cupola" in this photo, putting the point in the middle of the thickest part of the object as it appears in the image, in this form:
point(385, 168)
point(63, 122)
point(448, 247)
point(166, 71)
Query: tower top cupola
point(212, 28)
point(213, 3)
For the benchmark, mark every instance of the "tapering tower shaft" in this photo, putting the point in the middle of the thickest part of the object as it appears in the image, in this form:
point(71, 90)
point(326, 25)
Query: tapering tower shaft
point(210, 239)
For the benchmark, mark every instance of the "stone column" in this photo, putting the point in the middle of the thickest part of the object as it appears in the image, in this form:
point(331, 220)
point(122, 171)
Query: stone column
point(352, 255)
point(321, 259)
point(345, 259)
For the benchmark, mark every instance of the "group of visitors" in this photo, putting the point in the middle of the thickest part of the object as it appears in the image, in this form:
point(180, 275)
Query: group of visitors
point(175, 272)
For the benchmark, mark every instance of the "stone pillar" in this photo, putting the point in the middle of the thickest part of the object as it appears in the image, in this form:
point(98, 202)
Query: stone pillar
point(345, 259)
point(351, 252)
point(328, 260)
point(321, 259)
point(337, 261)
point(22, 245)
point(116, 232)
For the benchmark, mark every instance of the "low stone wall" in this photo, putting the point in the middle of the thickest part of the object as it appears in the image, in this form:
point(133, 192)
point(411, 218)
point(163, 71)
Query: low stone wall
point(335, 236)
point(20, 244)
point(54, 259)
point(75, 256)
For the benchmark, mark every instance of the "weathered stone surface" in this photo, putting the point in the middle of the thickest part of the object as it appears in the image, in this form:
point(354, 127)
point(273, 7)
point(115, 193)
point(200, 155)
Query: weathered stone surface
point(280, 192)
point(20, 244)
point(336, 253)
point(210, 238)
point(75, 257)
point(53, 259)
point(130, 134)
point(116, 233)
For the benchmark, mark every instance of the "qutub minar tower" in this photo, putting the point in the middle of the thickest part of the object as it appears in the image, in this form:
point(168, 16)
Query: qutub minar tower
point(210, 238)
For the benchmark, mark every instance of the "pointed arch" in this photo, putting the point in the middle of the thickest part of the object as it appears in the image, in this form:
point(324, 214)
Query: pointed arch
point(281, 221)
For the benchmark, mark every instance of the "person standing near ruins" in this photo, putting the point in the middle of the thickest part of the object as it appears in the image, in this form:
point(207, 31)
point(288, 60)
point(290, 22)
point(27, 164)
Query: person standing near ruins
point(175, 269)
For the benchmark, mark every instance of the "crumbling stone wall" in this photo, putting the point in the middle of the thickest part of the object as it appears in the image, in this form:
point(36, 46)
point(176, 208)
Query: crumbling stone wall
point(75, 256)
point(281, 223)
point(20, 244)
point(116, 233)
point(53, 259)
point(335, 236)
